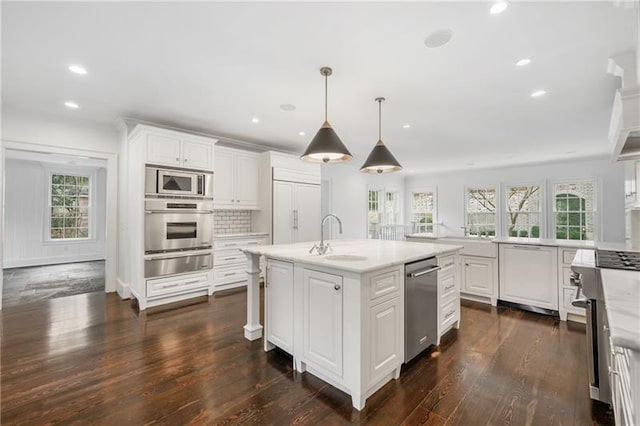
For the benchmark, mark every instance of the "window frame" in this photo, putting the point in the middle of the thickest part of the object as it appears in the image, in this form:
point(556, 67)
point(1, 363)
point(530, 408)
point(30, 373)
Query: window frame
point(383, 192)
point(409, 200)
point(92, 215)
point(543, 212)
point(597, 183)
point(498, 213)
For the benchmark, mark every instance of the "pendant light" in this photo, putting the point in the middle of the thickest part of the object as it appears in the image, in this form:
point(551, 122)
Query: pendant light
point(380, 160)
point(326, 146)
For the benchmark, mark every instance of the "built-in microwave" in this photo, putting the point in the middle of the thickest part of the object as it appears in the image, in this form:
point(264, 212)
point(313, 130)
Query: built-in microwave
point(178, 182)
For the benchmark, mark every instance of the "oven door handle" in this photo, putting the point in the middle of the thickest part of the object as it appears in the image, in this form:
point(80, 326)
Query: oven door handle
point(178, 211)
point(180, 255)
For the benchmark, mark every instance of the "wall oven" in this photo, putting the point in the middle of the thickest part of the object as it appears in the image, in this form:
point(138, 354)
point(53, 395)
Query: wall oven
point(185, 183)
point(173, 225)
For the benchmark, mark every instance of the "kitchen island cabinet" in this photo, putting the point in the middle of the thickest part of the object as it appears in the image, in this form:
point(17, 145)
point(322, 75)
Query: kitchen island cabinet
point(341, 315)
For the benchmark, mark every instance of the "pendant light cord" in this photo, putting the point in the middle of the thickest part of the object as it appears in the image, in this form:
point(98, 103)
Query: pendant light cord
point(379, 120)
point(325, 97)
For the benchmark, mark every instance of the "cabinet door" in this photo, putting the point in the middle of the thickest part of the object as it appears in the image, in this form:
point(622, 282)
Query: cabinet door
point(387, 338)
point(283, 212)
point(477, 276)
point(322, 320)
point(197, 155)
point(529, 275)
point(308, 213)
point(163, 150)
point(223, 180)
point(279, 315)
point(247, 175)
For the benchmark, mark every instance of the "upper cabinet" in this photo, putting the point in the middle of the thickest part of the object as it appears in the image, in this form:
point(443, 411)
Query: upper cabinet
point(236, 179)
point(176, 149)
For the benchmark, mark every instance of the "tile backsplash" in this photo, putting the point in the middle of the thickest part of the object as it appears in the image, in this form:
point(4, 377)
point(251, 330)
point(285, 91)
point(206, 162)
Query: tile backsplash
point(231, 221)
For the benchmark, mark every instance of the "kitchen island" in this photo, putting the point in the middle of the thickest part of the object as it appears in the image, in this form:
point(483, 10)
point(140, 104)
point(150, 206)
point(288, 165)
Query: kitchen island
point(341, 315)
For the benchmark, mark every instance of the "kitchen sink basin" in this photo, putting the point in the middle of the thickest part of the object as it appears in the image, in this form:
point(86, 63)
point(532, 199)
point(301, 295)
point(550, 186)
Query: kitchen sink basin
point(345, 257)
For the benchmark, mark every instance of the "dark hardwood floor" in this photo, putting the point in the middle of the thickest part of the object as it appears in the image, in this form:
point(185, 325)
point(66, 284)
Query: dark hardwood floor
point(89, 359)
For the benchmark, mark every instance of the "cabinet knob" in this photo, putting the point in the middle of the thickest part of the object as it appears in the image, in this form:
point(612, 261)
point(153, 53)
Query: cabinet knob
point(185, 160)
point(336, 287)
point(177, 158)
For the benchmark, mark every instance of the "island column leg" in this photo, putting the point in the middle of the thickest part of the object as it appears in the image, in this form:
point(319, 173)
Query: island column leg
point(253, 329)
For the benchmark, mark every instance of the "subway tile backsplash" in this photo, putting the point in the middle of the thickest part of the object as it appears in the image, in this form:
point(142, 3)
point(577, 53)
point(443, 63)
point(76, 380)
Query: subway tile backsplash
point(231, 221)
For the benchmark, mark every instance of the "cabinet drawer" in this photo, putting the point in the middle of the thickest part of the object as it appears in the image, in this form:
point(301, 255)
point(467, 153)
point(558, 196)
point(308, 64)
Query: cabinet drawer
point(230, 274)
point(229, 257)
point(238, 243)
point(386, 283)
point(568, 255)
point(447, 287)
point(447, 263)
point(167, 286)
point(449, 312)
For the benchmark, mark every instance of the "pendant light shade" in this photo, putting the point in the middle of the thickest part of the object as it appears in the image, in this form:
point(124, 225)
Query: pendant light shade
point(380, 160)
point(326, 146)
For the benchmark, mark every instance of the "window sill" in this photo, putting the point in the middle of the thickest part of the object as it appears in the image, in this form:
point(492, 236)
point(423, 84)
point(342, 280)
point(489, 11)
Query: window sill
point(65, 241)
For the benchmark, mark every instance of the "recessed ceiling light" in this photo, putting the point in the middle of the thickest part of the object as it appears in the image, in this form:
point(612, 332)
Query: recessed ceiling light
point(406, 126)
point(287, 107)
point(438, 38)
point(78, 69)
point(70, 104)
point(255, 120)
point(523, 62)
point(538, 93)
point(301, 133)
point(498, 7)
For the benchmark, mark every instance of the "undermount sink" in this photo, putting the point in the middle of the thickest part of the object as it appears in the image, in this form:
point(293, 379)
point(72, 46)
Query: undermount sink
point(345, 257)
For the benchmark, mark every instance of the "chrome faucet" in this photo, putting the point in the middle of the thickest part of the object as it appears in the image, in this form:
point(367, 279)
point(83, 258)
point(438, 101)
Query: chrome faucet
point(322, 248)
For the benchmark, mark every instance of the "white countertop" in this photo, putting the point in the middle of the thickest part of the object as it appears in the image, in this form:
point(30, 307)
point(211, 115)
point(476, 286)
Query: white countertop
point(240, 235)
point(379, 253)
point(622, 297)
point(547, 242)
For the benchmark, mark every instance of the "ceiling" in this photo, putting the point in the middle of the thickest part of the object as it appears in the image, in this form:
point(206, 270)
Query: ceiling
point(212, 67)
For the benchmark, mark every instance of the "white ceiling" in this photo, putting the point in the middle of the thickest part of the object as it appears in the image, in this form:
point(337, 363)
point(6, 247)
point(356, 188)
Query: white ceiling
point(213, 66)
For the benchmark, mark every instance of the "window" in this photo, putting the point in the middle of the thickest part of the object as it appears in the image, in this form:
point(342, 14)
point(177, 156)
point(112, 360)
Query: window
point(383, 210)
point(69, 207)
point(523, 210)
point(481, 211)
point(574, 210)
point(422, 211)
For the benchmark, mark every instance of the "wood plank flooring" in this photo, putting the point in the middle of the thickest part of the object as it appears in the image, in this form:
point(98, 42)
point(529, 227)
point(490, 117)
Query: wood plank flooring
point(89, 359)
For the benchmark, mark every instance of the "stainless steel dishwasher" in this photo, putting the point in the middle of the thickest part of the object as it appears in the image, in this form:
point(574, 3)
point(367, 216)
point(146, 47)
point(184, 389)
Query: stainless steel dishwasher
point(421, 306)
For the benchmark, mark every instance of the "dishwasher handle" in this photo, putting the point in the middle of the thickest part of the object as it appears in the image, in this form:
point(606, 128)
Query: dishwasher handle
point(421, 273)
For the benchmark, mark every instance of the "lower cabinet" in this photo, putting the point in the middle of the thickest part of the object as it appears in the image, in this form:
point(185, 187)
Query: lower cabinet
point(448, 294)
point(624, 380)
point(567, 291)
point(230, 263)
point(529, 275)
point(479, 277)
point(279, 304)
point(322, 320)
point(386, 337)
point(160, 291)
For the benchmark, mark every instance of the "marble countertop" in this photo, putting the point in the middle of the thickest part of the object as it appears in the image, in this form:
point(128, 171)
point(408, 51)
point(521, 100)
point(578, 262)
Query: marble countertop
point(547, 242)
point(622, 297)
point(379, 253)
point(240, 235)
point(449, 237)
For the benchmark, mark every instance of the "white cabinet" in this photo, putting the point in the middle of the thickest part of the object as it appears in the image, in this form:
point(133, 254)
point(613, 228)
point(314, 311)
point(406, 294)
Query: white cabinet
point(229, 262)
point(236, 179)
point(279, 304)
point(479, 277)
point(448, 294)
point(529, 275)
point(624, 380)
point(170, 148)
point(160, 291)
point(296, 212)
point(322, 321)
point(386, 340)
point(567, 291)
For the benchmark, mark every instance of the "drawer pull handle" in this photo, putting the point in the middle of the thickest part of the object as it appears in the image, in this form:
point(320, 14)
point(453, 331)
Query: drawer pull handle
point(229, 273)
point(171, 285)
point(230, 258)
point(192, 282)
point(450, 287)
point(449, 314)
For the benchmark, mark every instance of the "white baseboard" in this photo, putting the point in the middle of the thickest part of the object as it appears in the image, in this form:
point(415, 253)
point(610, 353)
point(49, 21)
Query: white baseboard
point(40, 261)
point(123, 289)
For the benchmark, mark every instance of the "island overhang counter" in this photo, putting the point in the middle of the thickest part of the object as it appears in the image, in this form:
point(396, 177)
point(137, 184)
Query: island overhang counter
point(341, 314)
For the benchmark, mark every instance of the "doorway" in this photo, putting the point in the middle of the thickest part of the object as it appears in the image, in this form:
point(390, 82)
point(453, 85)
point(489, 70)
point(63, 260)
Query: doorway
point(55, 225)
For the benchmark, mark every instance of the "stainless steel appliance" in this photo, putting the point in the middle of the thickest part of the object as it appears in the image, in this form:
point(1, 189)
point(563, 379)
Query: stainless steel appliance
point(177, 262)
point(586, 276)
point(421, 306)
point(171, 225)
point(178, 182)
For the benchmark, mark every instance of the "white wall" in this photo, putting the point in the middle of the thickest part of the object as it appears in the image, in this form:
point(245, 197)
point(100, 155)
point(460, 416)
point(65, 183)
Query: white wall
point(450, 189)
point(26, 205)
point(349, 195)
